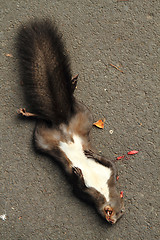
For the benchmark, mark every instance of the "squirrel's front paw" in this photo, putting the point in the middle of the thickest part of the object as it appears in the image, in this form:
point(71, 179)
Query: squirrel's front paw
point(77, 171)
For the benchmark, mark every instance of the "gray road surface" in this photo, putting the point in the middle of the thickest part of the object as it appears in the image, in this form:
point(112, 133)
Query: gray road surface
point(34, 193)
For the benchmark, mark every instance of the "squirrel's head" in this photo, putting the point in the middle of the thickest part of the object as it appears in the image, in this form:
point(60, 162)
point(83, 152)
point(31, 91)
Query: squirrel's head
point(113, 210)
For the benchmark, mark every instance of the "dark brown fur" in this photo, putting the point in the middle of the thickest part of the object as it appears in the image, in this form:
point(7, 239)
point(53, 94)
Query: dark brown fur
point(45, 71)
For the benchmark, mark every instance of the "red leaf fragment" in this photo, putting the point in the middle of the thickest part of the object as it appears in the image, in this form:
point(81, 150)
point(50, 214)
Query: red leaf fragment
point(120, 157)
point(132, 152)
point(121, 194)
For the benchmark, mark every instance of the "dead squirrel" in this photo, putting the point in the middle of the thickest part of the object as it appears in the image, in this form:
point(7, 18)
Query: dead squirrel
point(63, 124)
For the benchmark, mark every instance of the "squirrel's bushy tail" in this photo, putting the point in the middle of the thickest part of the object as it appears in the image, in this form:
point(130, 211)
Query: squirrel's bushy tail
point(45, 71)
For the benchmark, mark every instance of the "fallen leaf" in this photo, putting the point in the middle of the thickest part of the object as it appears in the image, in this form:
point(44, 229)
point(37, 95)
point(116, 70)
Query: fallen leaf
point(8, 55)
point(116, 68)
point(99, 123)
point(121, 194)
point(120, 157)
point(132, 152)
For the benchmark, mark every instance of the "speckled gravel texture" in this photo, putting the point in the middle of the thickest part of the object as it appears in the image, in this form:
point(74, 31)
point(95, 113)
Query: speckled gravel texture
point(34, 193)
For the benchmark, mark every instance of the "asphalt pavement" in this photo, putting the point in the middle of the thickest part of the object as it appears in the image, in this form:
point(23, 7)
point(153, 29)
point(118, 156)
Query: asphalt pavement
point(114, 46)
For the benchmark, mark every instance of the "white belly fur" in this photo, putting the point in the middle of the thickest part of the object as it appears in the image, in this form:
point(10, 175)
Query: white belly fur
point(95, 175)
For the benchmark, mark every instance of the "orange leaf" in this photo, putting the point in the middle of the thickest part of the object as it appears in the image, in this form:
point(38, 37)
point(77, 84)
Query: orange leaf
point(8, 55)
point(99, 123)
